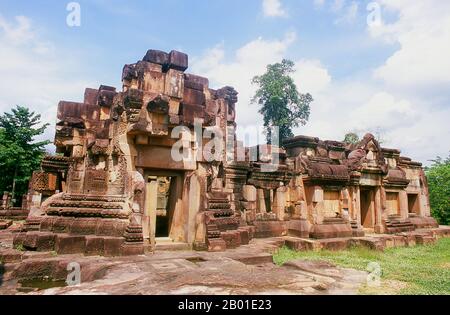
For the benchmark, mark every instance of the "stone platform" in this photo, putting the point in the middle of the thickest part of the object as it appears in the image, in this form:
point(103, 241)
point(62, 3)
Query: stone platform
point(371, 241)
point(248, 269)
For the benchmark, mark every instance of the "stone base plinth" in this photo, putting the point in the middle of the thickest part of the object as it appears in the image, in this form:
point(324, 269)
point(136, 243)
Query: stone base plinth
point(321, 231)
point(270, 229)
point(299, 228)
point(423, 222)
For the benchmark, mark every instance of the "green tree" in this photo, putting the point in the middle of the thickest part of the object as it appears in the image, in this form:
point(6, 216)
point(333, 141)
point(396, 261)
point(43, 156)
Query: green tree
point(438, 176)
point(20, 154)
point(351, 138)
point(281, 104)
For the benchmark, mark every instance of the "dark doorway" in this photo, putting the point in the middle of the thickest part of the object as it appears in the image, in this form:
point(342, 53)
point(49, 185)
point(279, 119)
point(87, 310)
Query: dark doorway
point(163, 215)
point(367, 209)
point(268, 200)
point(413, 203)
point(163, 212)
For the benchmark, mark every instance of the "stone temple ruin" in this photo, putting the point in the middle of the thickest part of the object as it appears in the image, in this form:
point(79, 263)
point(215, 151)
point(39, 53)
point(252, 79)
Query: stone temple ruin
point(114, 189)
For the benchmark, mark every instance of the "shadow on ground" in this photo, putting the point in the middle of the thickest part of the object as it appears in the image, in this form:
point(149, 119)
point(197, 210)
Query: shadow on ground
point(2, 271)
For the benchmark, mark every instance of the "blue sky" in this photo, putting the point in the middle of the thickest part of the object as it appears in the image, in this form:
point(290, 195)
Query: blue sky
point(390, 78)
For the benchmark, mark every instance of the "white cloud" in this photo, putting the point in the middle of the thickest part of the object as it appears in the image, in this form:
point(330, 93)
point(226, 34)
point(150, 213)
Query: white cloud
point(350, 14)
point(356, 103)
point(423, 32)
point(273, 8)
point(338, 5)
point(319, 3)
point(345, 11)
point(311, 76)
point(238, 70)
point(35, 74)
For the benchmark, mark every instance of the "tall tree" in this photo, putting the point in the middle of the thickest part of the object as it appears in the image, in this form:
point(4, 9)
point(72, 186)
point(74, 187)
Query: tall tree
point(20, 154)
point(281, 103)
point(438, 176)
point(351, 138)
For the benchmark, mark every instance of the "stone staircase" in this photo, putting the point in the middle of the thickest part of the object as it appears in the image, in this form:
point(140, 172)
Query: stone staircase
point(223, 226)
point(395, 224)
point(357, 230)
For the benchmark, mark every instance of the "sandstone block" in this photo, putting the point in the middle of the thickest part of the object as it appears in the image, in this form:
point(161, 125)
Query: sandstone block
point(62, 225)
point(70, 244)
point(249, 193)
point(157, 56)
point(200, 81)
point(299, 228)
point(152, 81)
point(270, 229)
point(40, 241)
point(47, 224)
point(216, 245)
point(244, 236)
point(174, 84)
point(174, 119)
point(159, 105)
point(322, 231)
point(83, 226)
point(191, 112)
point(335, 244)
point(193, 97)
point(19, 239)
point(94, 246)
point(178, 60)
point(113, 246)
point(298, 244)
point(132, 249)
point(174, 107)
point(9, 256)
point(90, 96)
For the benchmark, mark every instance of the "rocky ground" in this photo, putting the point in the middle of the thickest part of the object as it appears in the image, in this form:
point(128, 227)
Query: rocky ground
point(246, 270)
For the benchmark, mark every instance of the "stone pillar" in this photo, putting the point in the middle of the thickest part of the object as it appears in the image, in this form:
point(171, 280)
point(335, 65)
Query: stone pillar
point(261, 203)
point(279, 203)
point(378, 211)
point(424, 204)
point(403, 203)
point(194, 207)
point(317, 200)
point(149, 217)
point(357, 191)
point(250, 197)
point(384, 214)
point(5, 200)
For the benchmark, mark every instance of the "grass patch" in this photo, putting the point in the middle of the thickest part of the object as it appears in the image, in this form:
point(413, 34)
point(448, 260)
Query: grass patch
point(20, 248)
point(423, 269)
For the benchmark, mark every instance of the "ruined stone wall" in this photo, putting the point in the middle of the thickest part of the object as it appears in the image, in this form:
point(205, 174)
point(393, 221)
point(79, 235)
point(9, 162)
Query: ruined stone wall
point(97, 196)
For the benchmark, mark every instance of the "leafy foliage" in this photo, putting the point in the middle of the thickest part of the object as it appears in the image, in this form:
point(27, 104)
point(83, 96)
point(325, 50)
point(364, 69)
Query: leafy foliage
point(351, 138)
point(281, 104)
point(438, 176)
point(20, 155)
point(422, 270)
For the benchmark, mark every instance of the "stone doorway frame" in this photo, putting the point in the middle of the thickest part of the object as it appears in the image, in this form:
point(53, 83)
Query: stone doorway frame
point(367, 207)
point(175, 207)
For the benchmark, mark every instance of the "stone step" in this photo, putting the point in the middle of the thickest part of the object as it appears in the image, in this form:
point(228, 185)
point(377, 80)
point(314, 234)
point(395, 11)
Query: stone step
point(171, 246)
point(254, 259)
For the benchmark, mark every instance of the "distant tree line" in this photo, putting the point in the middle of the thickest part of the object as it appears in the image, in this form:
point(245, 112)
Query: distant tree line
point(20, 154)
